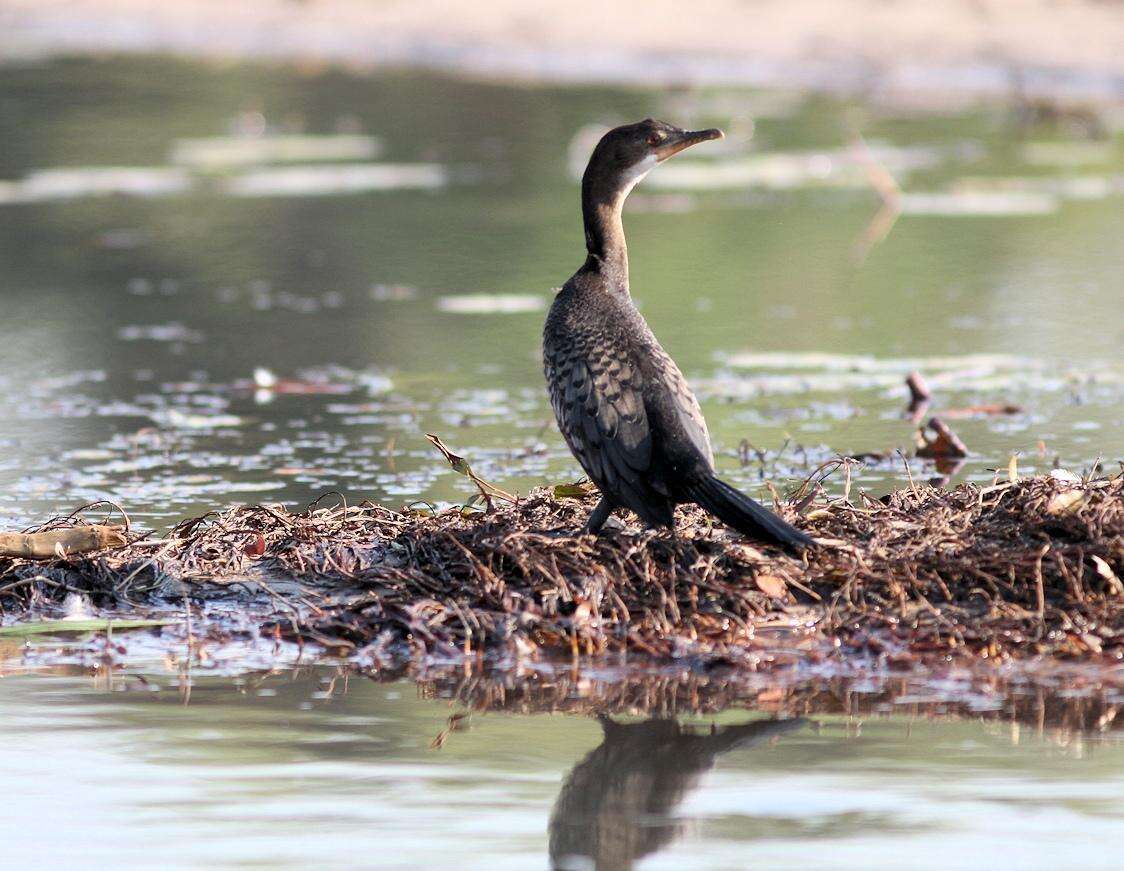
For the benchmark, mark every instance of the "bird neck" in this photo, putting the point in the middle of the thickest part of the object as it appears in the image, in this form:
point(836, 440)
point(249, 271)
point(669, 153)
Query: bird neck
point(604, 233)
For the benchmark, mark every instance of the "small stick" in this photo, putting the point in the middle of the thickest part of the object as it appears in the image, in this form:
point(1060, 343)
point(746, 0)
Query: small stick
point(919, 396)
point(918, 389)
point(946, 444)
point(1040, 586)
point(954, 446)
point(460, 464)
point(909, 475)
point(890, 194)
point(60, 543)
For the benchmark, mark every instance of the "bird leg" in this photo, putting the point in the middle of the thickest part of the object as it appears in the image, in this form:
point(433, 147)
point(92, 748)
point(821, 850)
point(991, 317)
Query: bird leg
point(598, 516)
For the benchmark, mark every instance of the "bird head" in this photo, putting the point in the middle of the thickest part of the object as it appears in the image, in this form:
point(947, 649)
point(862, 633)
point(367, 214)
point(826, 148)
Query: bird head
point(626, 154)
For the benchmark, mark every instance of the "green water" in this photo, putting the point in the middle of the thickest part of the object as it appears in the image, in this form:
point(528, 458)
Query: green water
point(132, 325)
point(313, 768)
point(93, 400)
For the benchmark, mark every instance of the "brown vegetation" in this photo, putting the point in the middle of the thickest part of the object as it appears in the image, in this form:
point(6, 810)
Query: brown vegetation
point(1014, 569)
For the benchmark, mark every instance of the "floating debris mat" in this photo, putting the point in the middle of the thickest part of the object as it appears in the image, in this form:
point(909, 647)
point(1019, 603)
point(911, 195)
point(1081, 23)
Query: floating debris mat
point(1025, 568)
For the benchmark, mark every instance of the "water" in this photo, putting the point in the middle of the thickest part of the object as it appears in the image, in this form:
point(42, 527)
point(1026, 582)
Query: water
point(369, 265)
point(197, 311)
point(314, 767)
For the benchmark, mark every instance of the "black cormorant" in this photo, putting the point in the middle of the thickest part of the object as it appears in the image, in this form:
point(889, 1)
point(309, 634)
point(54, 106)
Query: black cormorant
point(619, 803)
point(622, 404)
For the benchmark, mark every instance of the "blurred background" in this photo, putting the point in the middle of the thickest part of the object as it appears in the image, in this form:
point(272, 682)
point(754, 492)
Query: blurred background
point(254, 251)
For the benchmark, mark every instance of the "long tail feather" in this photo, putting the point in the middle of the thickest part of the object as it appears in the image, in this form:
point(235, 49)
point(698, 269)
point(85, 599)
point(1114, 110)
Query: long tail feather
point(737, 510)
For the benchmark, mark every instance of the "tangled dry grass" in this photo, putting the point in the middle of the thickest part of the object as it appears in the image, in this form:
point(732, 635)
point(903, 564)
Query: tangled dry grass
point(1012, 570)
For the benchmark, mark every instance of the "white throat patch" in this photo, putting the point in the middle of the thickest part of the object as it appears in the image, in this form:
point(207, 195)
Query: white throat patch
point(637, 171)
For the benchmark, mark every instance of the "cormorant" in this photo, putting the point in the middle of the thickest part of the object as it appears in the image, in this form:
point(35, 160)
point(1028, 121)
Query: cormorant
point(622, 404)
point(618, 804)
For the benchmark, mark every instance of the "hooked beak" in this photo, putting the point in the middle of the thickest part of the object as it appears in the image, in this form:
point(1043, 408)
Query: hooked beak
point(685, 139)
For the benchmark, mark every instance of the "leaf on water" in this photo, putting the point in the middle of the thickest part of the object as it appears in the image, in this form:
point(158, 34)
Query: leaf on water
point(63, 183)
point(490, 303)
point(964, 203)
point(184, 420)
point(220, 152)
point(994, 410)
point(310, 180)
point(1013, 469)
point(53, 627)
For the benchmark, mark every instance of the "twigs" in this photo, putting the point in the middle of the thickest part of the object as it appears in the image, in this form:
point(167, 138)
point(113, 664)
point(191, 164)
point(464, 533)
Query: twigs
point(996, 571)
point(460, 465)
point(919, 397)
point(945, 444)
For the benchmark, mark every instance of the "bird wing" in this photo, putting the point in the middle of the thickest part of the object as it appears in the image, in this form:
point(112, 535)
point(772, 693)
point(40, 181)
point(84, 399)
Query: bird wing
point(598, 400)
point(680, 410)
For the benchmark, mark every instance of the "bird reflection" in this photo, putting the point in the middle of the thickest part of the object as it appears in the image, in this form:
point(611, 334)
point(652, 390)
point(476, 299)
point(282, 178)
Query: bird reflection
point(617, 804)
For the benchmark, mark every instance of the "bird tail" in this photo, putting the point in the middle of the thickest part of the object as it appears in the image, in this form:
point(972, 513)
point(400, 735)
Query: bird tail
point(743, 514)
point(745, 735)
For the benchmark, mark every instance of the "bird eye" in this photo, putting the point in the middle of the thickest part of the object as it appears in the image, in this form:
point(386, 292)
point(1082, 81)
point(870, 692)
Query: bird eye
point(656, 137)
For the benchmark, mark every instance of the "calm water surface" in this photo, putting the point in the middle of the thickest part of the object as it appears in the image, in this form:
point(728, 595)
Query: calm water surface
point(188, 324)
point(392, 278)
point(309, 767)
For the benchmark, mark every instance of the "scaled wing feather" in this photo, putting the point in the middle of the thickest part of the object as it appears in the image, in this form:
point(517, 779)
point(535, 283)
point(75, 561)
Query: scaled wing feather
point(600, 407)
